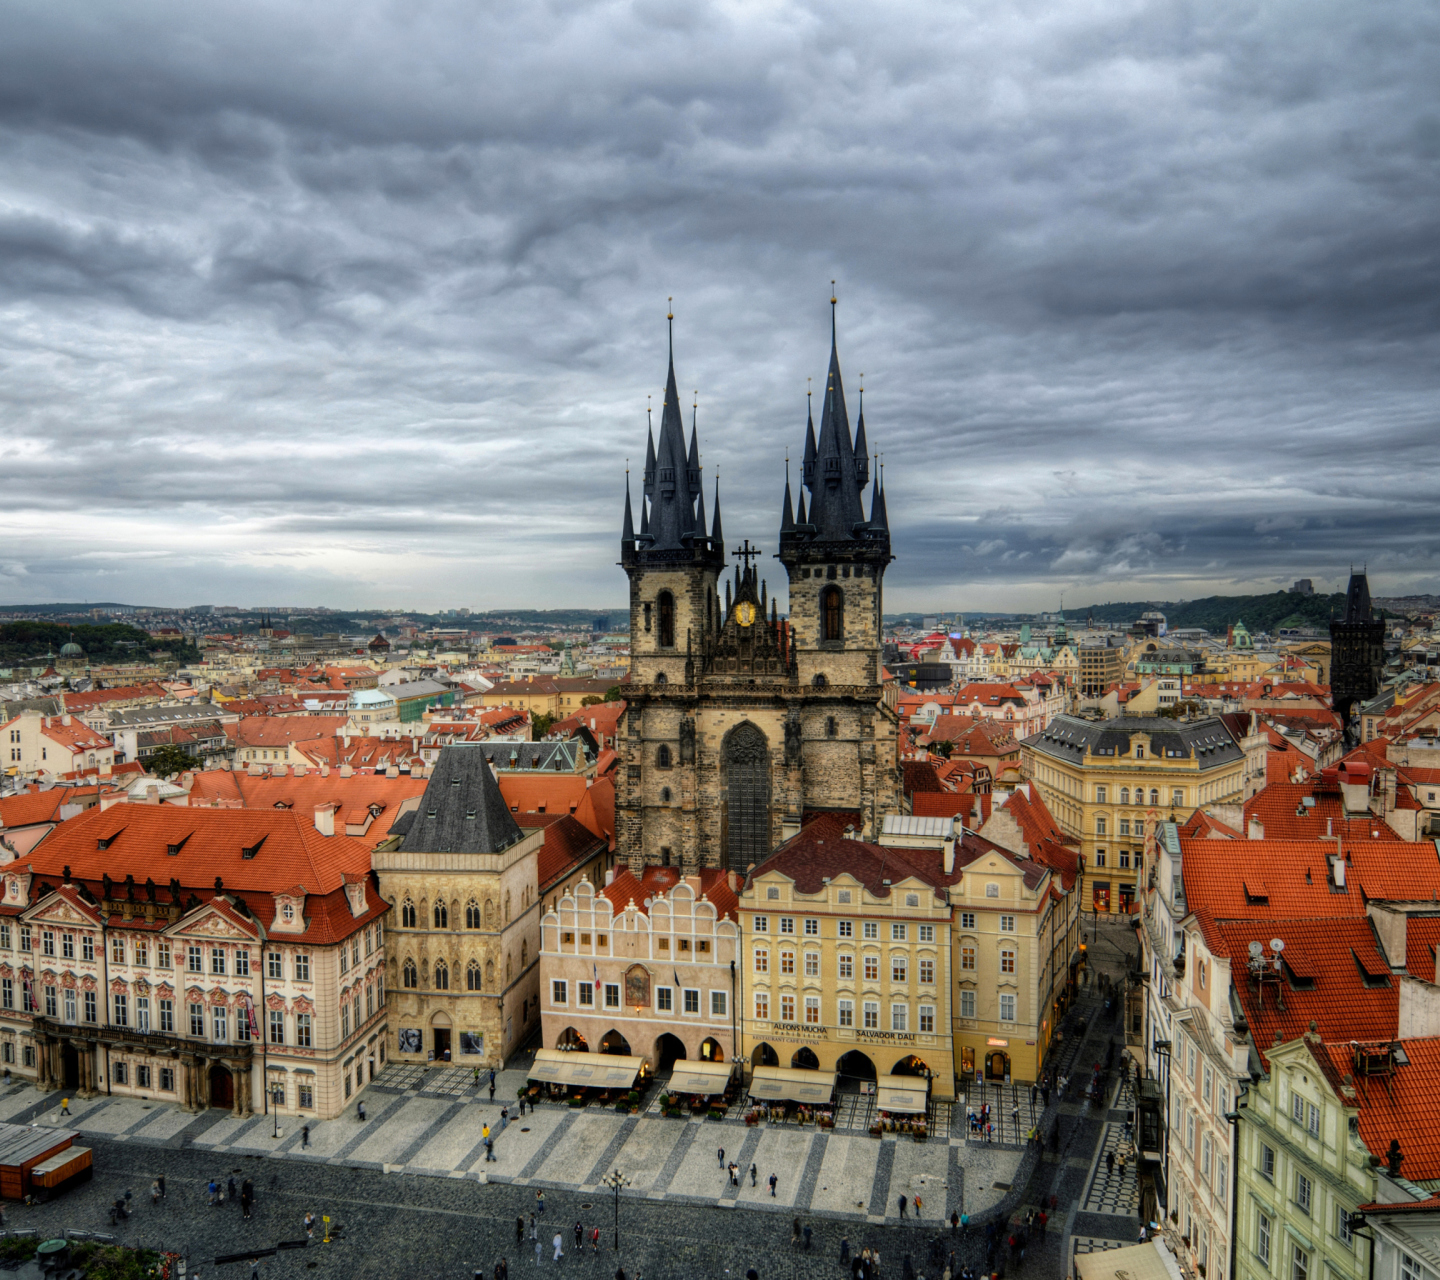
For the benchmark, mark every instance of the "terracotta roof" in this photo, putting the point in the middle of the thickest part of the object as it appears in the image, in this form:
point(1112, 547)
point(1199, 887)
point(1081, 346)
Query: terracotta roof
point(1045, 841)
point(951, 804)
point(627, 888)
point(920, 776)
point(75, 736)
point(211, 843)
point(32, 807)
point(1261, 879)
point(567, 843)
point(1422, 937)
point(280, 731)
point(1283, 812)
point(1400, 1106)
point(352, 796)
point(1333, 975)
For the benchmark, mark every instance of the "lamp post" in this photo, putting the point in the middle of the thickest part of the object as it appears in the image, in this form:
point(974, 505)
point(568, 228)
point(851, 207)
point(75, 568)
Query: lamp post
point(277, 1098)
point(615, 1180)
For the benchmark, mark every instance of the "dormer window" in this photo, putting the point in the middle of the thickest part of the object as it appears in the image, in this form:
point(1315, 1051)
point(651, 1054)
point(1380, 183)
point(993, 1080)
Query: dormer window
point(287, 913)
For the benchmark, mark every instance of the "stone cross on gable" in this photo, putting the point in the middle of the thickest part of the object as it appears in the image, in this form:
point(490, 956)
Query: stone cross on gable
point(747, 553)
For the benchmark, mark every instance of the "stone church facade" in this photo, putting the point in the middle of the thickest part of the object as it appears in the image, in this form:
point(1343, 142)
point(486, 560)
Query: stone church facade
point(738, 723)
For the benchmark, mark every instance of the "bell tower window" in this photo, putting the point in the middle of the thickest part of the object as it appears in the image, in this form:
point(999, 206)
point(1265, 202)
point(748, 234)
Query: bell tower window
point(666, 610)
point(832, 614)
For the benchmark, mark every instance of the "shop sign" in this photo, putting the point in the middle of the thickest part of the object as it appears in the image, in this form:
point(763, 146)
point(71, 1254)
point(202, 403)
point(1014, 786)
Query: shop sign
point(798, 1029)
point(895, 1037)
point(996, 1043)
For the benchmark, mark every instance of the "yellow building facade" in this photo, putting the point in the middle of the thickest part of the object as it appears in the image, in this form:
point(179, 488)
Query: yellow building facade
point(1104, 780)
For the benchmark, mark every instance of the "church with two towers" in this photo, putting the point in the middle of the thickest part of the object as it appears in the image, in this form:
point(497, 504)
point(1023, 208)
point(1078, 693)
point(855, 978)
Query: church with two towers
point(738, 722)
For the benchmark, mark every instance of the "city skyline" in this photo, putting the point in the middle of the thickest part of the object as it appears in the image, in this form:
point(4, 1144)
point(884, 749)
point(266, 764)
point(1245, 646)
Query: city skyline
point(347, 307)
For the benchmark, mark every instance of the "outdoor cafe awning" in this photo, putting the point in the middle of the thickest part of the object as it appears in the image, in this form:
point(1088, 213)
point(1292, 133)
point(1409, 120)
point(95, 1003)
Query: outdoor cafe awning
point(1149, 1261)
point(906, 1094)
point(774, 1084)
point(585, 1070)
point(700, 1077)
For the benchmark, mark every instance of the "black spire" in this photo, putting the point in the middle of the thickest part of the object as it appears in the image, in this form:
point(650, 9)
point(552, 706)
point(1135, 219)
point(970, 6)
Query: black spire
point(672, 504)
point(807, 464)
point(835, 508)
point(862, 450)
point(627, 533)
point(787, 513)
point(1357, 598)
point(717, 538)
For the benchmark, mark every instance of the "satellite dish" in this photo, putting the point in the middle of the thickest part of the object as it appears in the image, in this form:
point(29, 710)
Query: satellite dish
point(1257, 949)
point(1277, 944)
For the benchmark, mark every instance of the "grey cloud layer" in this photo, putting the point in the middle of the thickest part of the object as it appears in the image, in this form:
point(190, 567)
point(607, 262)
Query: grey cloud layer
point(361, 303)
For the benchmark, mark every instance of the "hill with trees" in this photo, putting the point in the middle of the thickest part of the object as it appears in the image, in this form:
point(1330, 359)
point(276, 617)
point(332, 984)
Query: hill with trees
point(111, 642)
point(1215, 613)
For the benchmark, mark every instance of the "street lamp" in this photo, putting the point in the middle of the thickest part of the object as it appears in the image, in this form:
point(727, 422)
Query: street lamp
point(277, 1099)
point(615, 1180)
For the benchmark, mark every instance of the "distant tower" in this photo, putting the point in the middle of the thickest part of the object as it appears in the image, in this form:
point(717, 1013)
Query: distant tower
point(1357, 654)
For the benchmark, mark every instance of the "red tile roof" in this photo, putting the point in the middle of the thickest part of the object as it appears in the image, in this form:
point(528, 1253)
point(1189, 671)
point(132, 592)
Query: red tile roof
point(1333, 975)
point(33, 807)
point(280, 731)
point(1399, 1106)
point(1284, 815)
point(567, 844)
point(1422, 938)
point(714, 885)
point(1295, 876)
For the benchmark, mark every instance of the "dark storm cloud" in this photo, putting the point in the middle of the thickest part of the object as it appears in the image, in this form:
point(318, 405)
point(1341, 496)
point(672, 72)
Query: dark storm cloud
point(360, 304)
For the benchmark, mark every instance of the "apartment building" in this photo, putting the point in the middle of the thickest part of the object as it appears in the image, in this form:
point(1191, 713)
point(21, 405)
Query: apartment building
point(204, 957)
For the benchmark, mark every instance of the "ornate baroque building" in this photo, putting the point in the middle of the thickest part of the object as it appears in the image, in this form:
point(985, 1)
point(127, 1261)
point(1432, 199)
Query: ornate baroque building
point(738, 723)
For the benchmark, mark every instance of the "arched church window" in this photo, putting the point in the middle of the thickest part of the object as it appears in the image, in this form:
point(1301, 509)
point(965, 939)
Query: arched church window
point(747, 795)
point(819, 681)
point(442, 976)
point(472, 976)
point(442, 916)
point(832, 614)
point(662, 756)
point(665, 607)
point(472, 914)
point(660, 678)
point(407, 914)
point(409, 977)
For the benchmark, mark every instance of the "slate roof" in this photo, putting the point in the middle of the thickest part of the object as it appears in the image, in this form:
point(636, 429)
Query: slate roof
point(1068, 738)
point(562, 756)
point(462, 810)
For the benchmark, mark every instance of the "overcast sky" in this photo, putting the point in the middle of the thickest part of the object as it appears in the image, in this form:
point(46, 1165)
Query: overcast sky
point(360, 304)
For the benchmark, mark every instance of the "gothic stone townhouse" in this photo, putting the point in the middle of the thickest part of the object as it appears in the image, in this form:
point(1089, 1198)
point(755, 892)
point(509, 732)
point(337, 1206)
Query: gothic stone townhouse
point(737, 724)
point(208, 957)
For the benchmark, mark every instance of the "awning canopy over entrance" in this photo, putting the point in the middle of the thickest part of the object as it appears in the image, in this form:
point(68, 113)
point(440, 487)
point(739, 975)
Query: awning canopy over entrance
point(1149, 1261)
point(777, 1083)
point(906, 1094)
point(587, 1070)
point(700, 1077)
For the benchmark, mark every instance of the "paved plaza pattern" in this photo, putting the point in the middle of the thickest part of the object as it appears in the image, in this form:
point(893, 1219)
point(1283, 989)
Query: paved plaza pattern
point(431, 1123)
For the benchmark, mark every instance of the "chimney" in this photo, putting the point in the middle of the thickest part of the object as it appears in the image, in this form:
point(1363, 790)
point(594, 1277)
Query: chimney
point(610, 876)
point(734, 879)
point(324, 770)
point(1256, 830)
point(325, 819)
point(1337, 871)
point(152, 794)
point(950, 856)
point(65, 719)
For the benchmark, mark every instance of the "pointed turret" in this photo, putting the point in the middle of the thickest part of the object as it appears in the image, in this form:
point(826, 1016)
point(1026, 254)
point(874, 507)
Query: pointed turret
point(700, 516)
point(717, 536)
point(787, 512)
point(877, 506)
point(800, 516)
point(835, 506)
point(692, 463)
point(649, 456)
point(862, 449)
point(627, 533)
point(807, 465)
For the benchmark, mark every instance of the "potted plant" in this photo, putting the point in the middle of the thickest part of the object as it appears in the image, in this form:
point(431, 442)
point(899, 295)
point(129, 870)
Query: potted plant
point(717, 1113)
point(752, 1118)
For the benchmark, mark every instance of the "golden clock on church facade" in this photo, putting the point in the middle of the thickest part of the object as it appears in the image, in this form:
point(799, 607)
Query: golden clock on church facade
point(745, 613)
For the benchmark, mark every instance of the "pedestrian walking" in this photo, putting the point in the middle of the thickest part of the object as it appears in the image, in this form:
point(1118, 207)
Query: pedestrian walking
point(919, 1204)
point(520, 1220)
point(595, 1241)
point(247, 1194)
point(903, 1203)
point(360, 1112)
point(773, 1181)
point(254, 1269)
point(304, 1137)
point(214, 1188)
point(807, 1237)
point(230, 1189)
point(64, 1106)
point(754, 1172)
point(161, 1181)
point(1110, 1161)
point(844, 1251)
point(540, 1203)
point(795, 1231)
point(579, 1236)
point(734, 1174)
point(964, 1225)
point(492, 1088)
point(310, 1226)
point(489, 1149)
point(1034, 1090)
point(954, 1222)
point(534, 1228)
point(1121, 1163)
point(538, 1248)
point(557, 1242)
point(720, 1156)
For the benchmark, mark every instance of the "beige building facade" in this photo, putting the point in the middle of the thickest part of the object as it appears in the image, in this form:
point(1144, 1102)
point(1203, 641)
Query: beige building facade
point(643, 967)
point(464, 955)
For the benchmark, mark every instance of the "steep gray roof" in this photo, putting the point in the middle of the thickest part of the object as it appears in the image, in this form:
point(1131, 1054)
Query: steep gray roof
point(462, 810)
point(1068, 737)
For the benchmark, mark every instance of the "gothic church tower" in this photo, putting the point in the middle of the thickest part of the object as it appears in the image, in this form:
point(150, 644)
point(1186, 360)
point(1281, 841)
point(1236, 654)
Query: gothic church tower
point(737, 723)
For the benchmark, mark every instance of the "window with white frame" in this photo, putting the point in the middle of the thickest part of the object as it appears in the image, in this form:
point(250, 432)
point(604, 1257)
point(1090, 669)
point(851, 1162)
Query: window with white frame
point(664, 1000)
point(719, 1004)
point(812, 964)
point(898, 969)
point(898, 932)
point(1007, 924)
point(762, 1005)
point(1262, 1237)
point(612, 995)
point(812, 1010)
point(846, 1013)
point(845, 929)
point(1007, 1007)
point(787, 1008)
point(559, 991)
point(967, 1004)
point(812, 928)
point(870, 929)
point(762, 924)
point(967, 919)
point(845, 966)
point(872, 1015)
point(692, 1000)
point(927, 1019)
point(927, 972)
point(787, 924)
point(1342, 1226)
point(899, 1017)
point(1304, 1192)
point(1299, 1263)
point(762, 960)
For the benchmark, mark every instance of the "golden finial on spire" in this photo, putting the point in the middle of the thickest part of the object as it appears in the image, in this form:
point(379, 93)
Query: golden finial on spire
point(807, 388)
point(670, 308)
point(832, 293)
